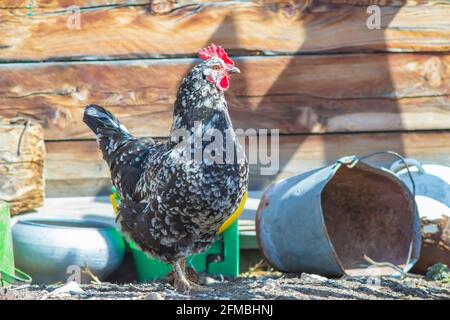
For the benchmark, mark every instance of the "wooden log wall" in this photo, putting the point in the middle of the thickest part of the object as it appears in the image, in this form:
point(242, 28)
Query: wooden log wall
point(310, 68)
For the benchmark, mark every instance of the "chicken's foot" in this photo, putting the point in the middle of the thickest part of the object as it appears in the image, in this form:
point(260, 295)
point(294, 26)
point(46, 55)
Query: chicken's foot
point(190, 273)
point(181, 283)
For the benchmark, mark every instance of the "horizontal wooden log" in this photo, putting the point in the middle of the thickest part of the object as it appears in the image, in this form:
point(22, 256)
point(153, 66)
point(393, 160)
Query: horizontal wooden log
point(53, 5)
point(254, 27)
point(399, 3)
point(297, 94)
point(75, 168)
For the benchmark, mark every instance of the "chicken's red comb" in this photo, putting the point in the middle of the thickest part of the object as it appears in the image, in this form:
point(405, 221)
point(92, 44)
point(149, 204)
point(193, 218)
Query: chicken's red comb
point(215, 51)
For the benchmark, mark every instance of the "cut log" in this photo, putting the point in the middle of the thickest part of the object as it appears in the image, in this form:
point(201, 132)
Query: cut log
point(297, 94)
point(22, 153)
point(76, 168)
point(118, 31)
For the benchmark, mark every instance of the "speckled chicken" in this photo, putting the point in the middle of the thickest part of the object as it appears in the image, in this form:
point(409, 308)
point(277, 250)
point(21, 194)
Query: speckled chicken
point(176, 195)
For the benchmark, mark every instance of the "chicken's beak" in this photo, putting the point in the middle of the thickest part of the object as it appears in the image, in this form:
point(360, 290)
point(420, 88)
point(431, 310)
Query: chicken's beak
point(233, 70)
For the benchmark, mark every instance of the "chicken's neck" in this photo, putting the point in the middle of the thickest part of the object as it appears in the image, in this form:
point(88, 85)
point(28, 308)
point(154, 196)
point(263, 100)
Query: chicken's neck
point(199, 103)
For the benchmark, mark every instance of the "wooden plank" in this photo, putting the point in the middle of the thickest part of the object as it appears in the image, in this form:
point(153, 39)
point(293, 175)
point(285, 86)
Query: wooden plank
point(297, 94)
point(125, 32)
point(75, 168)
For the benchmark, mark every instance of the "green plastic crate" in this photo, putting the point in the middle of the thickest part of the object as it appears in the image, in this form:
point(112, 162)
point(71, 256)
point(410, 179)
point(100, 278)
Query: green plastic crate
point(225, 249)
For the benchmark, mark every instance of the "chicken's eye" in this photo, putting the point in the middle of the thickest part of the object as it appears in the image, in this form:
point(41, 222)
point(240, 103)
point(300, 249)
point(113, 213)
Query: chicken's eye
point(216, 67)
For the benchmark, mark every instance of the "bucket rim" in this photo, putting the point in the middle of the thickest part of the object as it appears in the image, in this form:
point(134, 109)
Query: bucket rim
point(58, 223)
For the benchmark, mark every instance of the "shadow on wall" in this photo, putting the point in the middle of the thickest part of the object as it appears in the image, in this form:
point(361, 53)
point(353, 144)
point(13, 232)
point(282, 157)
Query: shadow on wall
point(301, 103)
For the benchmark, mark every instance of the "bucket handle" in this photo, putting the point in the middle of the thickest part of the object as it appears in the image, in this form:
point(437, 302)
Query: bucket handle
point(399, 165)
point(19, 276)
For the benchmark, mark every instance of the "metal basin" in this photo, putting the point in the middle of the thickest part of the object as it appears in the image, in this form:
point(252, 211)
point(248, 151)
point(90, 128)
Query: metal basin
point(53, 249)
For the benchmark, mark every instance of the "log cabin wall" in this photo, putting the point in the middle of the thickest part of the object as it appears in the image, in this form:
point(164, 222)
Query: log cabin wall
point(311, 68)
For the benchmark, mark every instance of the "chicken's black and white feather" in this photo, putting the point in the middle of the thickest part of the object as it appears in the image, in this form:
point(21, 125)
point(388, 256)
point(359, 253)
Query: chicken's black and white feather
point(171, 208)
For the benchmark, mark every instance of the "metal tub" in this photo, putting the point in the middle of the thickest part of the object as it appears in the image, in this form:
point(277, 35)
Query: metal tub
point(51, 249)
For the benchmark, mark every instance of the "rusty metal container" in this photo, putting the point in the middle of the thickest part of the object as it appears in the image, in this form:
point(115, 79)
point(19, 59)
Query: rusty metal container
point(326, 220)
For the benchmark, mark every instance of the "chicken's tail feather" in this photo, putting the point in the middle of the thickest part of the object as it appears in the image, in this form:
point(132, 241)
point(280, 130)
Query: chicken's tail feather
point(110, 134)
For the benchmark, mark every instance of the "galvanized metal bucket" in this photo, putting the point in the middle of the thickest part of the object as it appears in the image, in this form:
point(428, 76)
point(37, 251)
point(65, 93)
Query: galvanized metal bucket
point(327, 220)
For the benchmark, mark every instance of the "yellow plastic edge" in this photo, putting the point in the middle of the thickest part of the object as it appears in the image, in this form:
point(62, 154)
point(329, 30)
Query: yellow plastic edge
point(235, 215)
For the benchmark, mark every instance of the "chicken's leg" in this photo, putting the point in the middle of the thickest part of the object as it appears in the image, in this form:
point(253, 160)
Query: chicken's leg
point(190, 273)
point(181, 282)
point(182, 262)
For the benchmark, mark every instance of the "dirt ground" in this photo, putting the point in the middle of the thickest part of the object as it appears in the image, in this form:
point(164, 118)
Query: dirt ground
point(282, 286)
